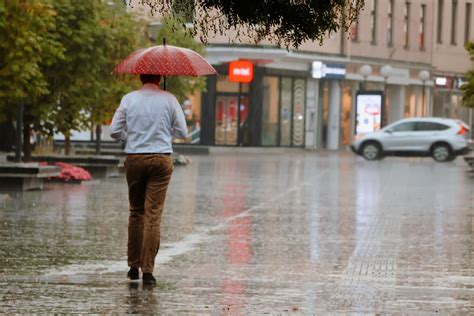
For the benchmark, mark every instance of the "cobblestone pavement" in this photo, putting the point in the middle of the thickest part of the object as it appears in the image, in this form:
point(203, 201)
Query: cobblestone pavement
point(293, 233)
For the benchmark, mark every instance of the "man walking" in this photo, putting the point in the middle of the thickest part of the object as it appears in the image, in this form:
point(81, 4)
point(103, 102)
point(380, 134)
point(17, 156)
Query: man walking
point(147, 120)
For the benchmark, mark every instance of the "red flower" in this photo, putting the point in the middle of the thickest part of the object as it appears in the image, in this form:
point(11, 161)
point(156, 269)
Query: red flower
point(70, 172)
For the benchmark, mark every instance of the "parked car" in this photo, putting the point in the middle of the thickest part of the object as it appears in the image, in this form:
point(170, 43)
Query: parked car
point(441, 138)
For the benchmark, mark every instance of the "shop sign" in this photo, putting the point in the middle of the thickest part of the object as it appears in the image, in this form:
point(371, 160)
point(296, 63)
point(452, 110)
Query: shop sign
point(329, 71)
point(241, 71)
point(369, 111)
point(444, 82)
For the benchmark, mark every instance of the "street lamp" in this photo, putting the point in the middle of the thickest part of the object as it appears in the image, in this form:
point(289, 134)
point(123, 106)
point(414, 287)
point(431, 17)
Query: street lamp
point(424, 76)
point(385, 71)
point(365, 71)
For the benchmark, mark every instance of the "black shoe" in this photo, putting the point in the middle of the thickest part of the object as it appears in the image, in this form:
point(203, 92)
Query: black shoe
point(148, 278)
point(133, 274)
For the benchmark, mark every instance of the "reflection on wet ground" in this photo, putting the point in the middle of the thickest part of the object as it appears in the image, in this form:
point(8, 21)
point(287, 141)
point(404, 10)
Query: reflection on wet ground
point(301, 232)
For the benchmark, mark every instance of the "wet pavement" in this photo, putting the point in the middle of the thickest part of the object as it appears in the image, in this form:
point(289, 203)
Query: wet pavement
point(293, 233)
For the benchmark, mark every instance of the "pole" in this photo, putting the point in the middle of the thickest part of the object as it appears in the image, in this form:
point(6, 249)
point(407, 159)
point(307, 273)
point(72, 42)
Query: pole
point(19, 131)
point(423, 105)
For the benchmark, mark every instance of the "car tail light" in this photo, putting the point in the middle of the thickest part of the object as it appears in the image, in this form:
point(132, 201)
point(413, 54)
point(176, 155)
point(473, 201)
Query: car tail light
point(463, 130)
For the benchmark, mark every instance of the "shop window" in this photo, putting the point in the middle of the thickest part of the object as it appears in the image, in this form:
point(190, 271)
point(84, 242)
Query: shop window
point(324, 114)
point(286, 111)
point(271, 102)
point(413, 104)
point(192, 112)
point(299, 100)
point(224, 85)
point(346, 111)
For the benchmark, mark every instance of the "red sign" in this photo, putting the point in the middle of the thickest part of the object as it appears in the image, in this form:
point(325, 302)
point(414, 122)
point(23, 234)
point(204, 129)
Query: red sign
point(241, 71)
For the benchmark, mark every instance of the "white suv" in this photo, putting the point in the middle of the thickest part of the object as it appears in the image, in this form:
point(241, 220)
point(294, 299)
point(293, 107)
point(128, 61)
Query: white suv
point(441, 138)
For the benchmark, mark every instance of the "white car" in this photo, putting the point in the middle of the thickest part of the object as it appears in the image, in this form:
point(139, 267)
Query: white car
point(441, 138)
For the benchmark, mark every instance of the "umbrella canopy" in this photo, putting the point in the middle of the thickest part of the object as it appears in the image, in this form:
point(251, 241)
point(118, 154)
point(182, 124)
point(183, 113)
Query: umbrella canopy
point(165, 60)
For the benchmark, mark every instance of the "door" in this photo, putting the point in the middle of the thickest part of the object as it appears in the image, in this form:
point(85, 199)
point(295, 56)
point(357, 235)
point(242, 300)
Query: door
point(400, 137)
point(226, 120)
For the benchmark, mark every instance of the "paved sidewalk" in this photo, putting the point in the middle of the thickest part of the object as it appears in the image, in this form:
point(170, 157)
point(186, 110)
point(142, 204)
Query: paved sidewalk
point(298, 232)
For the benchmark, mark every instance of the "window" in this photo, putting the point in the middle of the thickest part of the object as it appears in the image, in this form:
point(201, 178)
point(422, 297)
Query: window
point(373, 22)
point(390, 24)
point(454, 17)
point(421, 40)
point(354, 31)
point(467, 24)
point(404, 127)
point(440, 22)
point(270, 115)
point(430, 126)
point(286, 99)
point(406, 26)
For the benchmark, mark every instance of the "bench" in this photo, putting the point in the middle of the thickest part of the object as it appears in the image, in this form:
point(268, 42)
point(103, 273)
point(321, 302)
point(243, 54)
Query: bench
point(25, 176)
point(98, 166)
point(87, 148)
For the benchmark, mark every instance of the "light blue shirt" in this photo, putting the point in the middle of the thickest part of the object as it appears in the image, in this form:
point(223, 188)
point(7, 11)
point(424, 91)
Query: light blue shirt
point(147, 120)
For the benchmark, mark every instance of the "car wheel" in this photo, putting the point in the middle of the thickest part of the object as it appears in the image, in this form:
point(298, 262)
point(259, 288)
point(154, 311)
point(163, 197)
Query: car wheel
point(442, 153)
point(371, 151)
point(452, 157)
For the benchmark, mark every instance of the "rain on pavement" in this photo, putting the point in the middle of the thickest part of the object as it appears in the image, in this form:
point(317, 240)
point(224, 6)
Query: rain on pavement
point(296, 232)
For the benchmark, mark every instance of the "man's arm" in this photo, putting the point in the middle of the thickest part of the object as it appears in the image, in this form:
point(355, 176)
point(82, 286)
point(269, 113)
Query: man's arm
point(180, 129)
point(118, 128)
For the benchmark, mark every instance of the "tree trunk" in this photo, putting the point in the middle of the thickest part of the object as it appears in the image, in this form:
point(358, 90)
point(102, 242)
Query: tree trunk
point(98, 132)
point(18, 132)
point(67, 143)
point(26, 141)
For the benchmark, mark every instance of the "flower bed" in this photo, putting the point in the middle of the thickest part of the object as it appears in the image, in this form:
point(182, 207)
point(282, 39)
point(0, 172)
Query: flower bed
point(70, 173)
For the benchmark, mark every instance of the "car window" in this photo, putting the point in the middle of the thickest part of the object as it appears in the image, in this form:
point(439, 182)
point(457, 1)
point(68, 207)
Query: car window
point(430, 126)
point(404, 127)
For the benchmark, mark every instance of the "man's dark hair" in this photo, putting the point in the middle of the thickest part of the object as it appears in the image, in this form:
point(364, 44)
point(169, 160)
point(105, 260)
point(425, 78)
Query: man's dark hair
point(148, 78)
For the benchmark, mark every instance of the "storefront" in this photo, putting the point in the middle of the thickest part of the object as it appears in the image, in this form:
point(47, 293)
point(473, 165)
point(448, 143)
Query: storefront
point(447, 99)
point(295, 102)
point(267, 111)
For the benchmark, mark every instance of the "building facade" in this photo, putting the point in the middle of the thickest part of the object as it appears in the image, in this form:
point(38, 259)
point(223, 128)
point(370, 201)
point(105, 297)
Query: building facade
point(411, 52)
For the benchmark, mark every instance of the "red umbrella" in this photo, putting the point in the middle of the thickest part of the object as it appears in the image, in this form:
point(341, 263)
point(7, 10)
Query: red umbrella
point(165, 60)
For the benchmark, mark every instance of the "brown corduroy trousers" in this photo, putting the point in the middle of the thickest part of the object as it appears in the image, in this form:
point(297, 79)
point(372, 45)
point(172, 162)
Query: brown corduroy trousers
point(148, 176)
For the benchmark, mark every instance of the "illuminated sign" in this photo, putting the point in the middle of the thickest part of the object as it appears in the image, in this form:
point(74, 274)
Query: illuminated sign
point(317, 72)
point(330, 71)
point(444, 82)
point(369, 105)
point(241, 71)
point(441, 81)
